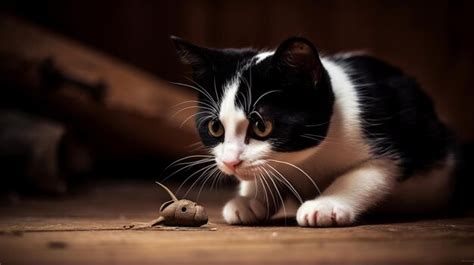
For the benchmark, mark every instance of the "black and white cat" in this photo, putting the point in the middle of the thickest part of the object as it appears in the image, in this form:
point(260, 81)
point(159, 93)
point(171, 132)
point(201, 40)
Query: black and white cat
point(341, 134)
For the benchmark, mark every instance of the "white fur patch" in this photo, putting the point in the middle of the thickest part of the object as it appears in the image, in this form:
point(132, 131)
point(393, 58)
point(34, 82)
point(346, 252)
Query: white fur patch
point(263, 55)
point(351, 179)
point(232, 117)
point(346, 55)
point(344, 146)
point(351, 194)
point(347, 101)
point(234, 147)
point(339, 165)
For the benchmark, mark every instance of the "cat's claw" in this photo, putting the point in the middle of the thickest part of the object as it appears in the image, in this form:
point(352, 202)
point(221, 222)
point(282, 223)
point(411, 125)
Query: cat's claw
point(324, 212)
point(244, 211)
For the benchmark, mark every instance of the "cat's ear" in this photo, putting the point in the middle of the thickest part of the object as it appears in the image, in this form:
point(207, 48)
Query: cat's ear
point(297, 58)
point(191, 54)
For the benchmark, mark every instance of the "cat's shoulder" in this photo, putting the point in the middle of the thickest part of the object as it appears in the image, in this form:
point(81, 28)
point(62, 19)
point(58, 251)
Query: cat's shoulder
point(369, 73)
point(361, 62)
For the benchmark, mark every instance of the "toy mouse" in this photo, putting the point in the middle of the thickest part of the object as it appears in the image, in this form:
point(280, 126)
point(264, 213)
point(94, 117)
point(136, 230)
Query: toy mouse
point(176, 213)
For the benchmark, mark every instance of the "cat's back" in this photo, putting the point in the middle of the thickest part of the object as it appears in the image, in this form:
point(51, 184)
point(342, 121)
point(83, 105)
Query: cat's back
point(371, 67)
point(397, 116)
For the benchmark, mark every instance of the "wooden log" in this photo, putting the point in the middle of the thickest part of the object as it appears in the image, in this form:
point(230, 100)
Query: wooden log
point(137, 115)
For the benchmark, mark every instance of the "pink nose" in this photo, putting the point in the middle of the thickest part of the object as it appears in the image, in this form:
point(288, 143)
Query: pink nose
point(232, 164)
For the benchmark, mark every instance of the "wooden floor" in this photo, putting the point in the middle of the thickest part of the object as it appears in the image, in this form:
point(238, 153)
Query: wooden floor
point(85, 228)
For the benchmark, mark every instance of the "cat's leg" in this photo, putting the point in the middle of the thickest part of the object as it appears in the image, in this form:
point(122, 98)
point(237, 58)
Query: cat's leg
point(350, 195)
point(258, 200)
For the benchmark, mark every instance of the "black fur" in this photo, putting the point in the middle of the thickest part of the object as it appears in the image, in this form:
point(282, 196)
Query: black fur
point(399, 120)
point(398, 117)
point(302, 105)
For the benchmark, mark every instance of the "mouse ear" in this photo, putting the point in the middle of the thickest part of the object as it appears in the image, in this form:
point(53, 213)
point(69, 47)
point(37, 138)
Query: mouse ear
point(164, 205)
point(173, 197)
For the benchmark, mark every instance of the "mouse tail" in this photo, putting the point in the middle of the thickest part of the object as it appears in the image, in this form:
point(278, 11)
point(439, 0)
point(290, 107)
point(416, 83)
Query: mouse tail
point(168, 190)
point(157, 221)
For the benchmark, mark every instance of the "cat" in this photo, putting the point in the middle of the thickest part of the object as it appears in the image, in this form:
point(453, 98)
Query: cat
point(342, 134)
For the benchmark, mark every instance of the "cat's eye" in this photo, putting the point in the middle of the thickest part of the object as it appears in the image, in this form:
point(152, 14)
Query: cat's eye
point(215, 128)
point(262, 128)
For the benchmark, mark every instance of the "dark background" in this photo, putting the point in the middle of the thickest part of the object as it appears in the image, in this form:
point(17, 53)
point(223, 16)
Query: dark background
point(431, 40)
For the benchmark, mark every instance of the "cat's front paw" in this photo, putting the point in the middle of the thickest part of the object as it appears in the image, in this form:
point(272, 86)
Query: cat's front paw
point(325, 212)
point(244, 211)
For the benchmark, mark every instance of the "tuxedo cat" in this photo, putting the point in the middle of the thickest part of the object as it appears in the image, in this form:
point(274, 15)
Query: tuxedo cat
point(341, 134)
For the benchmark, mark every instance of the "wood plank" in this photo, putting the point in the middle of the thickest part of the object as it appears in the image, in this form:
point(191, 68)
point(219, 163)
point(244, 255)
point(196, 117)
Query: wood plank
point(140, 111)
point(436, 241)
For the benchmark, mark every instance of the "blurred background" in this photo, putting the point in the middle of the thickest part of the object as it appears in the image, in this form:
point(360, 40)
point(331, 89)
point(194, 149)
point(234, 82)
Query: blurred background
point(84, 92)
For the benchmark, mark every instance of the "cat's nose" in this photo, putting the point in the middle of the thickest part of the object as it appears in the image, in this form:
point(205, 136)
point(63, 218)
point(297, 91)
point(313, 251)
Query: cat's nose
point(232, 164)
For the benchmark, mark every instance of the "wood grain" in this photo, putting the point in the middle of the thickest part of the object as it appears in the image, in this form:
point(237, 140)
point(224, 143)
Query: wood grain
point(141, 112)
point(68, 231)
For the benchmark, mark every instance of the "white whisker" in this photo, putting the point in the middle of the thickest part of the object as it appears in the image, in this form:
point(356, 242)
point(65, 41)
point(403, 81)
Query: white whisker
point(300, 170)
point(215, 88)
point(285, 181)
point(317, 125)
point(202, 171)
point(195, 114)
point(278, 193)
point(195, 103)
point(192, 107)
point(263, 95)
point(216, 179)
point(271, 193)
point(265, 194)
point(206, 159)
point(187, 157)
point(209, 176)
point(202, 91)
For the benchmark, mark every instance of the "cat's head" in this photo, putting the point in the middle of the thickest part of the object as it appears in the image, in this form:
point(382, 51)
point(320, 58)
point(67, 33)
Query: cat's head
point(253, 104)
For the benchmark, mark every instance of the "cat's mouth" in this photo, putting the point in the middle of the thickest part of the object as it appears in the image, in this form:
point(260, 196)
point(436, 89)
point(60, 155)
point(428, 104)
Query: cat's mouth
point(247, 173)
point(244, 172)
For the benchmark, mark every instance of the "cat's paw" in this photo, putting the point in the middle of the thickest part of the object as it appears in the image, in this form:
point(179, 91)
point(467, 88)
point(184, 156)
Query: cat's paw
point(325, 212)
point(244, 211)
